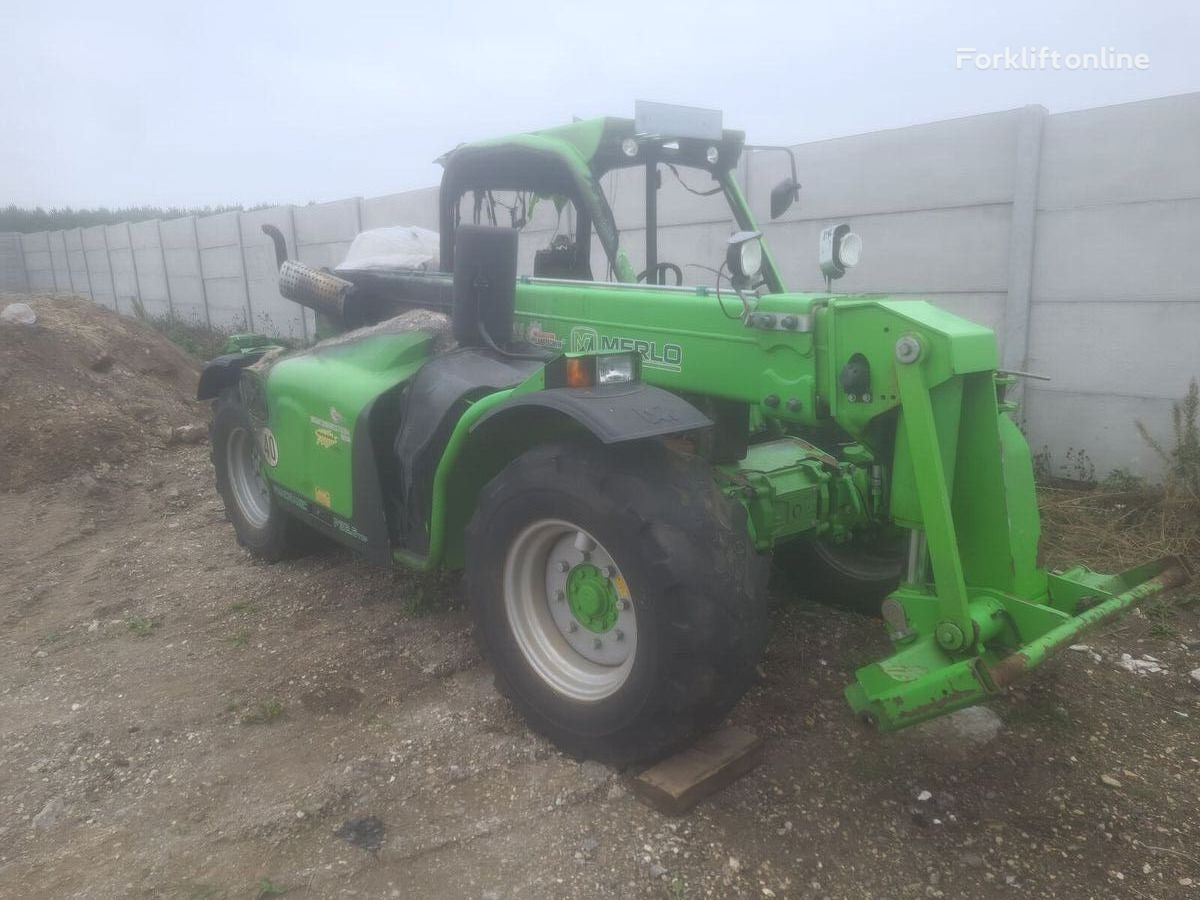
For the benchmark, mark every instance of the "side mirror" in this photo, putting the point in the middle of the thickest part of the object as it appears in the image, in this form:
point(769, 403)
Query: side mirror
point(783, 195)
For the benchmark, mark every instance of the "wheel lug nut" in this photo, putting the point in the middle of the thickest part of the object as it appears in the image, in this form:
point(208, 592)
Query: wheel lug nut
point(620, 635)
point(559, 596)
point(572, 627)
point(610, 571)
point(564, 566)
point(597, 643)
point(625, 604)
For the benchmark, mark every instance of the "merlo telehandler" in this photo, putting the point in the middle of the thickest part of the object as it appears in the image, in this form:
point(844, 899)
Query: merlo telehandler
point(615, 460)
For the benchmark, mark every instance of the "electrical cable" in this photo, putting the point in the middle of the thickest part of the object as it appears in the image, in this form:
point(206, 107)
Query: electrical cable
point(689, 188)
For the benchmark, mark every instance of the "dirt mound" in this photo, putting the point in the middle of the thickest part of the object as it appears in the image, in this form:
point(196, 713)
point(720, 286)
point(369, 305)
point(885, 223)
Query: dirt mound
point(83, 386)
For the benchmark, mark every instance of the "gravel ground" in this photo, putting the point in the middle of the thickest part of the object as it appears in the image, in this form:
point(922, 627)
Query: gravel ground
point(177, 720)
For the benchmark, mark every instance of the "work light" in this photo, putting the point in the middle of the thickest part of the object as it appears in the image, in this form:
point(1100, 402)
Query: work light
point(744, 256)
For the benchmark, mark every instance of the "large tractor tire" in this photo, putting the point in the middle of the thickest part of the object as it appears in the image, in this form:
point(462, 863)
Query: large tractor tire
point(856, 575)
point(261, 524)
point(617, 596)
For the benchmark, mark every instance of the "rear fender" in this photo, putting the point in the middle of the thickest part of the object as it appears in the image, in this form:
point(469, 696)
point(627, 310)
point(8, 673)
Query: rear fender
point(502, 426)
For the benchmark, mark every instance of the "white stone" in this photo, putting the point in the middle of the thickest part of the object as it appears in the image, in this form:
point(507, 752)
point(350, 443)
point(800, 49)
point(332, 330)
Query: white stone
point(18, 314)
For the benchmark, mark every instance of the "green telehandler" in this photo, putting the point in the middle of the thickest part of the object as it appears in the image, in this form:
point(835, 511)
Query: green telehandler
point(615, 460)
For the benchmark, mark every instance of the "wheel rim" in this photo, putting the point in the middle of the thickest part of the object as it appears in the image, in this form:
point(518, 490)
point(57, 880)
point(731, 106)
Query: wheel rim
point(250, 489)
point(569, 609)
point(873, 560)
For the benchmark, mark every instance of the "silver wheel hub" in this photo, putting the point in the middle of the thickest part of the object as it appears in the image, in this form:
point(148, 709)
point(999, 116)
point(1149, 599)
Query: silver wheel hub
point(569, 609)
point(250, 489)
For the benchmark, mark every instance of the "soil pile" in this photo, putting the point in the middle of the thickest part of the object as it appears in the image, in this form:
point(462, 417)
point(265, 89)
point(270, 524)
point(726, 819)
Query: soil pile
point(84, 386)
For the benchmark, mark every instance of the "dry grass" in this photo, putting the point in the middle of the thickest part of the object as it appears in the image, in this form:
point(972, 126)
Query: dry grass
point(1115, 530)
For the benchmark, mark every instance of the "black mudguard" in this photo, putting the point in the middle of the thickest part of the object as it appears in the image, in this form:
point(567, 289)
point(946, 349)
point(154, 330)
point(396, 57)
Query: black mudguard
point(223, 371)
point(614, 413)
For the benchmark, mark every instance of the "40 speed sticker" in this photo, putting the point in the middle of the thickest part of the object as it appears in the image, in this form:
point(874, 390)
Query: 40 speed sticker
point(268, 446)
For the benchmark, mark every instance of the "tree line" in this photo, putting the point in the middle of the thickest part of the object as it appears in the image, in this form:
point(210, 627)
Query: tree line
point(16, 218)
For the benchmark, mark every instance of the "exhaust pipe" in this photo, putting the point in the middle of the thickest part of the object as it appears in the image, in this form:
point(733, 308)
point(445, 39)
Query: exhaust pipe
point(308, 285)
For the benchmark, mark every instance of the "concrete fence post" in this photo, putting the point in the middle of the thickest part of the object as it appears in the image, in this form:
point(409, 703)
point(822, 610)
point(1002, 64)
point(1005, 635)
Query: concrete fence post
point(53, 267)
point(62, 236)
point(112, 279)
point(1022, 242)
point(162, 255)
point(137, 277)
point(24, 263)
point(87, 269)
point(200, 272)
point(245, 275)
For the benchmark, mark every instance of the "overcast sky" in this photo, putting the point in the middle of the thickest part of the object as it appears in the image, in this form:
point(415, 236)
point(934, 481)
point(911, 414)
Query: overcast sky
point(202, 103)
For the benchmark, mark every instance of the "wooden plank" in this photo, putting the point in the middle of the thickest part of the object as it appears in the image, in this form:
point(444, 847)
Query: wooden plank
point(675, 785)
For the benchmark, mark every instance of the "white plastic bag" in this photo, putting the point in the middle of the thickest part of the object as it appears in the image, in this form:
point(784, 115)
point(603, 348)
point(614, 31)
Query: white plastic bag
point(393, 247)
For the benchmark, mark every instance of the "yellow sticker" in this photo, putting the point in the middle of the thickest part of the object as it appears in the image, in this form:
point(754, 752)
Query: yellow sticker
point(325, 438)
point(622, 587)
point(323, 497)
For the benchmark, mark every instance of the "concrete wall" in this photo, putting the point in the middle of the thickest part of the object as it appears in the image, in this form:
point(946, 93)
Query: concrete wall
point(1071, 235)
point(1115, 317)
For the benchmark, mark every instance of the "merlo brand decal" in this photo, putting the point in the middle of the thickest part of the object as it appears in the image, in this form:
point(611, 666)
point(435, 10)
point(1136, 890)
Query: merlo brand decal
point(326, 438)
point(341, 432)
point(584, 339)
point(269, 447)
point(654, 354)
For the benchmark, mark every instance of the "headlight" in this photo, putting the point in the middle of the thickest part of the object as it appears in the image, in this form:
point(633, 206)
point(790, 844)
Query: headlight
point(744, 256)
point(616, 369)
point(586, 370)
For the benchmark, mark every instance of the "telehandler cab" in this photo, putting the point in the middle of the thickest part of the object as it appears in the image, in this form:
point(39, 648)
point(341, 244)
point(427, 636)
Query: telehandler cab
point(615, 460)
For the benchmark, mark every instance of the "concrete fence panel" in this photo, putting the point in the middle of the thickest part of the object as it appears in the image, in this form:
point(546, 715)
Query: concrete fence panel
point(272, 314)
point(12, 263)
point(95, 254)
point(60, 262)
point(183, 270)
point(39, 267)
point(220, 245)
point(81, 281)
point(150, 266)
point(418, 208)
point(124, 272)
point(1122, 154)
point(956, 163)
point(324, 231)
